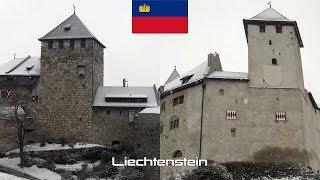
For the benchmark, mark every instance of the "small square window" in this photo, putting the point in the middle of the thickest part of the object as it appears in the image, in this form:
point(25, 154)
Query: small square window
point(274, 61)
point(50, 44)
point(108, 112)
point(279, 29)
point(72, 44)
point(60, 44)
point(83, 43)
point(262, 29)
point(281, 116)
point(231, 115)
point(233, 132)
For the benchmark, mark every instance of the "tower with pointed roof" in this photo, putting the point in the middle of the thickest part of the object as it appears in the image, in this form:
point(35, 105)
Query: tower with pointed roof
point(274, 44)
point(71, 72)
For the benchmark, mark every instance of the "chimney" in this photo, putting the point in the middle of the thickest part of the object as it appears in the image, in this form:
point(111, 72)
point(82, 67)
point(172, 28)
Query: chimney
point(124, 82)
point(214, 63)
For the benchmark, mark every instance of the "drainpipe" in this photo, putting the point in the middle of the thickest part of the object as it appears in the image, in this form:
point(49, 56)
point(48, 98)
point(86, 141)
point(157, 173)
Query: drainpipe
point(201, 118)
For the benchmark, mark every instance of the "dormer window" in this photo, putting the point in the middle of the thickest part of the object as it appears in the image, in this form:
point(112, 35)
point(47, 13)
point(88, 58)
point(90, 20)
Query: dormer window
point(262, 29)
point(30, 68)
point(67, 27)
point(186, 79)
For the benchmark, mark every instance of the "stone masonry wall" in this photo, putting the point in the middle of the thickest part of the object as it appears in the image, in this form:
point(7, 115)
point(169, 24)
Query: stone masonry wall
point(65, 97)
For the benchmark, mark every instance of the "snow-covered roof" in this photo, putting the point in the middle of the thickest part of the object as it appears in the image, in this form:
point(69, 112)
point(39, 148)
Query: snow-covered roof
point(200, 72)
point(173, 76)
point(229, 75)
point(71, 28)
point(28, 66)
point(125, 92)
point(271, 15)
point(197, 73)
point(153, 110)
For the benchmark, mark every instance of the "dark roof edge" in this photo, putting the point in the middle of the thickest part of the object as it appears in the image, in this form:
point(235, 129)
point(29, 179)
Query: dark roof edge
point(314, 104)
point(280, 23)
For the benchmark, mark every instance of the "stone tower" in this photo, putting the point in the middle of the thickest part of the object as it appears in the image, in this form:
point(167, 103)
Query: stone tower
point(71, 72)
point(274, 44)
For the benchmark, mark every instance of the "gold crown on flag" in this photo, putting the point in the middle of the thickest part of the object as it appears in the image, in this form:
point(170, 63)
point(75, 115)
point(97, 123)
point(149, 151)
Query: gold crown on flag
point(144, 8)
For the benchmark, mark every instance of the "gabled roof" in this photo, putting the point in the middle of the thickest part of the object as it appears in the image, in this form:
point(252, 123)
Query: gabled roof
point(71, 28)
point(125, 92)
point(173, 75)
point(272, 17)
point(28, 66)
point(270, 14)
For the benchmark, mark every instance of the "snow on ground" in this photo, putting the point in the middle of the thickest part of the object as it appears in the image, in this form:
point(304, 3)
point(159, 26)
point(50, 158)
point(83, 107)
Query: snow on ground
point(76, 167)
point(4, 176)
point(40, 173)
point(51, 147)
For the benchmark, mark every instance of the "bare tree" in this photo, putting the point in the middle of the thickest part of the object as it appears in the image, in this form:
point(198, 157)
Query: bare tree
point(18, 119)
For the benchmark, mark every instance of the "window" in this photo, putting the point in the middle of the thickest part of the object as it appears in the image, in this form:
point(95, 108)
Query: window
point(262, 29)
point(71, 44)
point(186, 79)
point(270, 42)
point(83, 43)
point(163, 106)
point(233, 132)
point(108, 112)
point(221, 92)
point(281, 116)
point(95, 111)
point(4, 93)
point(50, 44)
point(279, 29)
point(274, 61)
point(61, 44)
point(231, 115)
point(177, 154)
point(174, 122)
point(178, 100)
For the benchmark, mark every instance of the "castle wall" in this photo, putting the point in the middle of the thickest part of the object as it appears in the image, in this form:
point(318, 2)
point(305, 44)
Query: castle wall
point(68, 82)
point(111, 127)
point(258, 136)
point(186, 137)
point(147, 139)
point(311, 130)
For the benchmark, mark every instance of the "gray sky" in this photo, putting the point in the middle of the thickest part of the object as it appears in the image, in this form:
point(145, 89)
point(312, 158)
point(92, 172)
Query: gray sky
point(214, 26)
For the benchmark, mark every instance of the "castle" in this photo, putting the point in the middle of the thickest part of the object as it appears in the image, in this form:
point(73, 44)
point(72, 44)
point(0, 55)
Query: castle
point(62, 94)
point(263, 115)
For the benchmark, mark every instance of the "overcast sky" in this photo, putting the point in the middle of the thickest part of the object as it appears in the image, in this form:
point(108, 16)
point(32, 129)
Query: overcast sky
point(214, 26)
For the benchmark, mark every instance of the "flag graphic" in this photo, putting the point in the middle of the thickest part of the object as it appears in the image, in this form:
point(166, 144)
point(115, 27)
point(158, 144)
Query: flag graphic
point(159, 16)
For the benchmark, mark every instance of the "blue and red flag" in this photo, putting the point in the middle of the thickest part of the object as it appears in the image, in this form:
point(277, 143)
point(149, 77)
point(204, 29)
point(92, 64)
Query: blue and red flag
point(159, 16)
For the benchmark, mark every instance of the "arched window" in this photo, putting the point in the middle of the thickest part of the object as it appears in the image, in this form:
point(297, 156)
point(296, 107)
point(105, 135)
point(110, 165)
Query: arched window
point(174, 122)
point(274, 61)
point(221, 92)
point(177, 154)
